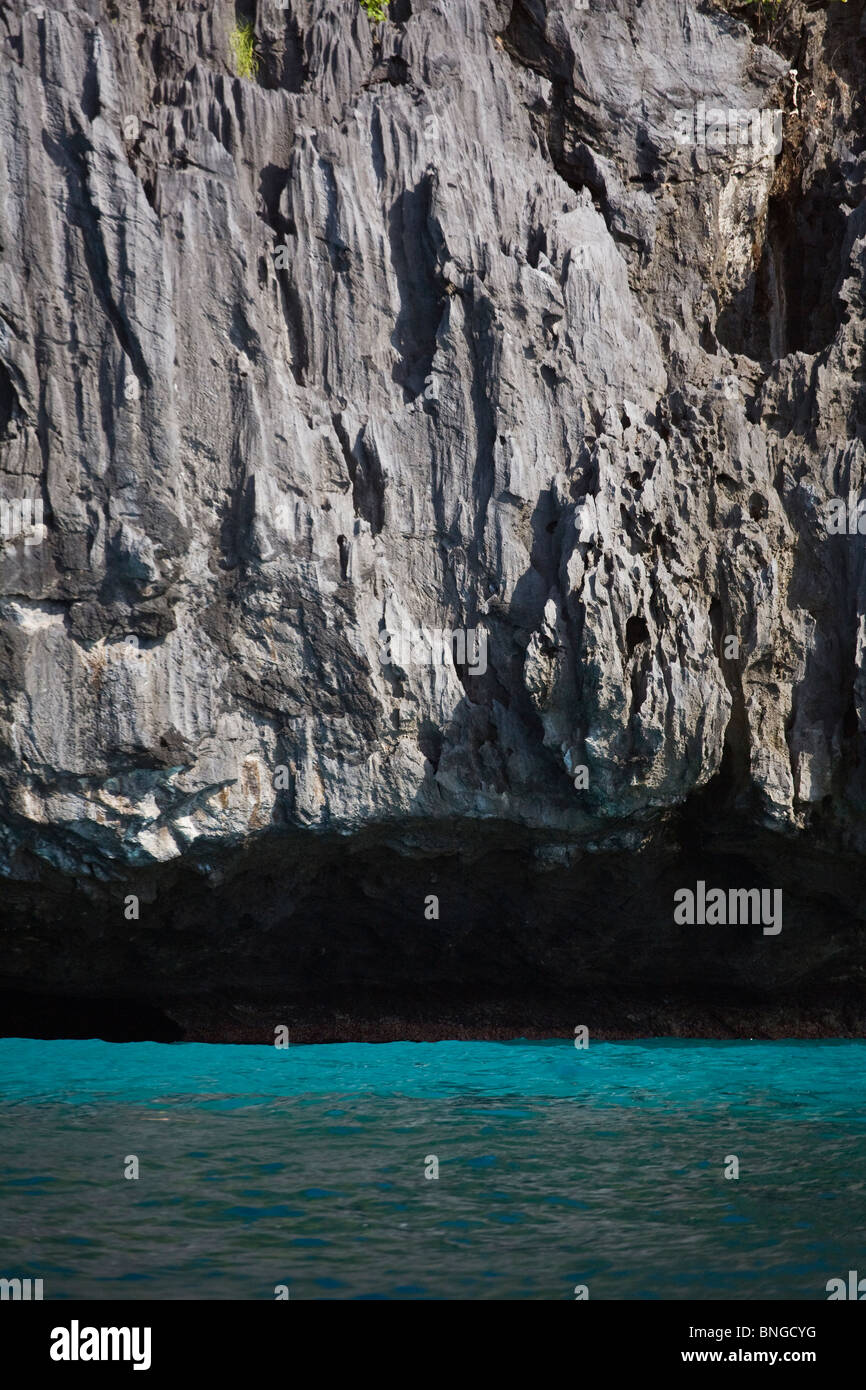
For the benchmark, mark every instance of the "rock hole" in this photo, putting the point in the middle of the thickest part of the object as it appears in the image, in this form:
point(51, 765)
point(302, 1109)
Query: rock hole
point(636, 631)
point(536, 246)
point(789, 303)
point(398, 71)
point(10, 408)
point(430, 743)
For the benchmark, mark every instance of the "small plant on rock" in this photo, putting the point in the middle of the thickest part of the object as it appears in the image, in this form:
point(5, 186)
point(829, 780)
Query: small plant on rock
point(375, 10)
point(243, 46)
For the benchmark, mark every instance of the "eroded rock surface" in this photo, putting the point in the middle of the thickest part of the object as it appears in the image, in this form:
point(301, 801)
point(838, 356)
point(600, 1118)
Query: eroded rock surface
point(440, 325)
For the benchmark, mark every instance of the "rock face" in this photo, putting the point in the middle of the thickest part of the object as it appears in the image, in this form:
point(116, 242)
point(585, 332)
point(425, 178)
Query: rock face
point(498, 321)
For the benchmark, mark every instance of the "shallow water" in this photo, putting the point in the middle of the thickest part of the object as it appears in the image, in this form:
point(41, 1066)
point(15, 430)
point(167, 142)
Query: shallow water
point(305, 1167)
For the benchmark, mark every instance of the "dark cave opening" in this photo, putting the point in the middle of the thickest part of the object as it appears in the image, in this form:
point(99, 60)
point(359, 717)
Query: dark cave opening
point(636, 632)
point(337, 945)
point(9, 407)
point(24, 1015)
point(790, 302)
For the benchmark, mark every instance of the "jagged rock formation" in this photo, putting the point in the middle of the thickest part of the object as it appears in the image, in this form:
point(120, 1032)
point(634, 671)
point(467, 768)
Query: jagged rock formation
point(436, 324)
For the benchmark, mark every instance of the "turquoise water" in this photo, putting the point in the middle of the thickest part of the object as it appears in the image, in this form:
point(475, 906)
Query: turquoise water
point(305, 1167)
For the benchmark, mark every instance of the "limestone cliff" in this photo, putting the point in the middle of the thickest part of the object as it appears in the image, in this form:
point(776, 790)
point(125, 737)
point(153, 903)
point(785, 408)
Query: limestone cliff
point(496, 320)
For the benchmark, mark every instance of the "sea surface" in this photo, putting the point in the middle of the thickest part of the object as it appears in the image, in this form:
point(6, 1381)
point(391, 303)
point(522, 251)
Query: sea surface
point(307, 1168)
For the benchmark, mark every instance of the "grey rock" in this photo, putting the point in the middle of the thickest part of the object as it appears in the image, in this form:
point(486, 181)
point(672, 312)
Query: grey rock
point(431, 326)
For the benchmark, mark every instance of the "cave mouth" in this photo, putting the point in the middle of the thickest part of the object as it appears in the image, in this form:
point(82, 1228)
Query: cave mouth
point(53, 1017)
point(468, 929)
point(790, 302)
